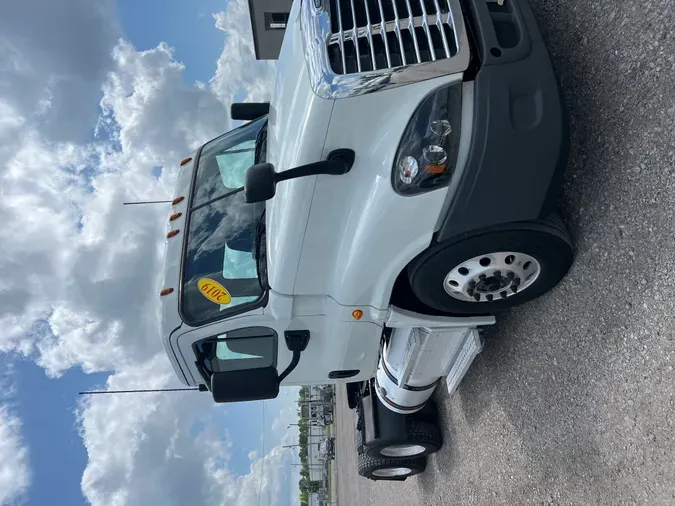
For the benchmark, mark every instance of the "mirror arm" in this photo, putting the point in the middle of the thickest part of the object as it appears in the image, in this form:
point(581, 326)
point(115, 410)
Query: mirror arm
point(296, 341)
point(339, 162)
point(294, 363)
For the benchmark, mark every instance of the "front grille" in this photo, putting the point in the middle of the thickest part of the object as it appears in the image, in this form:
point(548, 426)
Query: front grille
point(380, 34)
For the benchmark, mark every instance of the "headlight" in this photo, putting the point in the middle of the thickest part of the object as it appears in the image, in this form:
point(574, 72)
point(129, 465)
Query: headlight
point(427, 153)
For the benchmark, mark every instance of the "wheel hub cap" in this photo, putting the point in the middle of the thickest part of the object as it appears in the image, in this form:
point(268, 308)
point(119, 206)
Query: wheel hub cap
point(391, 472)
point(402, 450)
point(492, 276)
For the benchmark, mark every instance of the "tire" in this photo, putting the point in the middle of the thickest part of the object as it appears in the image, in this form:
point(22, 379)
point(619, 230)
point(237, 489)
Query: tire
point(375, 468)
point(546, 242)
point(423, 439)
point(359, 442)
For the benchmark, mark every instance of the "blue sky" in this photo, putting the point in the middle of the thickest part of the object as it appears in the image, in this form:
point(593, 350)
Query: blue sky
point(78, 299)
point(186, 25)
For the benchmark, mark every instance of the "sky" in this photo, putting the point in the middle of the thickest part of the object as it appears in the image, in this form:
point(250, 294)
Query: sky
point(99, 101)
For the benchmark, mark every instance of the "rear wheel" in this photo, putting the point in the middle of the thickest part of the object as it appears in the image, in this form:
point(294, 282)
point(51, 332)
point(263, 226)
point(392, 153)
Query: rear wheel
point(423, 438)
point(494, 270)
point(376, 468)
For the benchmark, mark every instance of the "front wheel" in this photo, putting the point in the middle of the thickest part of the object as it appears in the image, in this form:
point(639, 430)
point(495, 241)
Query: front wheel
point(494, 270)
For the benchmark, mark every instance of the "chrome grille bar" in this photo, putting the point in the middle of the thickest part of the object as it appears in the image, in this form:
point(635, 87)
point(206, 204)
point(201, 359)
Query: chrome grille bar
point(384, 33)
point(355, 38)
point(425, 25)
point(439, 25)
point(411, 29)
point(341, 34)
point(369, 35)
point(397, 31)
point(451, 21)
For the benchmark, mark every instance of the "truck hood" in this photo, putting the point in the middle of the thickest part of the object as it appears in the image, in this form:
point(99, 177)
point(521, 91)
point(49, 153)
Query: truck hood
point(297, 128)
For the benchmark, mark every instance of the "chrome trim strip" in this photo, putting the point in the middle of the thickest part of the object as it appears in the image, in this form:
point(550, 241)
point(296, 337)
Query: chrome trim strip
point(316, 33)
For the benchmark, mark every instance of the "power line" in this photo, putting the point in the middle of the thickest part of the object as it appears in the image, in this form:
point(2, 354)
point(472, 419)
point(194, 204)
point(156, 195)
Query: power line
point(262, 464)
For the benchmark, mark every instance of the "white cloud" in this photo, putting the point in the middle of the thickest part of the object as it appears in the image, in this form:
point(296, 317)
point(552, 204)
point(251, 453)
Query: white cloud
point(80, 271)
point(15, 473)
point(237, 69)
point(54, 56)
point(169, 449)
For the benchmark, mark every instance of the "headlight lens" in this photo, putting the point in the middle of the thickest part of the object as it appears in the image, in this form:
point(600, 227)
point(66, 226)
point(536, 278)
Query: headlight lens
point(427, 153)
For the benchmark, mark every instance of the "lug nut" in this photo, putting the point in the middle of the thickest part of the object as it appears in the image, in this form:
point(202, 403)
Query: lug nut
point(510, 275)
point(470, 292)
point(516, 281)
point(482, 277)
point(472, 284)
point(477, 297)
point(489, 297)
point(497, 274)
point(503, 295)
point(514, 288)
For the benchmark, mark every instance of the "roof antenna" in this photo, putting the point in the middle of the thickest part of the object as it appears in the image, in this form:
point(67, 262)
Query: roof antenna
point(201, 388)
point(148, 202)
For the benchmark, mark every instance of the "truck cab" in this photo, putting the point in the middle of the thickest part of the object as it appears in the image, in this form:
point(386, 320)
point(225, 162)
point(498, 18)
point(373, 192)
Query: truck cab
point(223, 315)
point(398, 189)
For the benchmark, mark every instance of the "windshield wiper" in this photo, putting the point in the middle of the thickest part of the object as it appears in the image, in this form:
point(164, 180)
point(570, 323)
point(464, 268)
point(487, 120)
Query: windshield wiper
point(260, 143)
point(216, 199)
point(258, 246)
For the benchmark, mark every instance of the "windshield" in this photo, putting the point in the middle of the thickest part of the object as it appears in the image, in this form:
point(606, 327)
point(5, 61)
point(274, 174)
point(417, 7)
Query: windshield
point(249, 348)
point(220, 272)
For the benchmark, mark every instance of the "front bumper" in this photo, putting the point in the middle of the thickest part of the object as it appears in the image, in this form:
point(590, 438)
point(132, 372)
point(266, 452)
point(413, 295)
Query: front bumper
point(519, 139)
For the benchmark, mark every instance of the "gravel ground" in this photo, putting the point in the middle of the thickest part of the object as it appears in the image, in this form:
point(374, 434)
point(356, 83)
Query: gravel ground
point(572, 400)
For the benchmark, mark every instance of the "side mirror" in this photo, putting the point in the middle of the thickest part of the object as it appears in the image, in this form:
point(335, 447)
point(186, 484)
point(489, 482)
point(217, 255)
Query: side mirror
point(257, 384)
point(245, 385)
point(261, 179)
point(260, 183)
point(249, 111)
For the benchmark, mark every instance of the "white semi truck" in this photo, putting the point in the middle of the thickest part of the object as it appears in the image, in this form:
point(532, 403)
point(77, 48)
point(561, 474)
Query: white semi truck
point(398, 189)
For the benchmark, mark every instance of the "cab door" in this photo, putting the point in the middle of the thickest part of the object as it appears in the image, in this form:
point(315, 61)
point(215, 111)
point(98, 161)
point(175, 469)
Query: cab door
point(188, 344)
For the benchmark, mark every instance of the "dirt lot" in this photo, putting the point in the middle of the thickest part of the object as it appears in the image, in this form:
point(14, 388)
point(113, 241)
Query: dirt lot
point(573, 399)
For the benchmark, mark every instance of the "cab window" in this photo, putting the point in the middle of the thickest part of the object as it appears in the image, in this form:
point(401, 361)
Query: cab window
point(220, 272)
point(249, 348)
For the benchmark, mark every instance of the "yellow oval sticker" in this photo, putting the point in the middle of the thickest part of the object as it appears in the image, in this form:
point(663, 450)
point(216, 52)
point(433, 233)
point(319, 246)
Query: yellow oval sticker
point(214, 291)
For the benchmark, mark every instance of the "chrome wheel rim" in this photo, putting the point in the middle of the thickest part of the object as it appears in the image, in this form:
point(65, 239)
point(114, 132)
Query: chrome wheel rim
point(492, 276)
point(398, 451)
point(392, 472)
